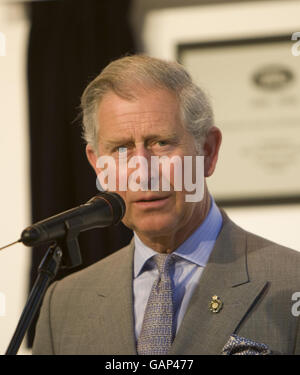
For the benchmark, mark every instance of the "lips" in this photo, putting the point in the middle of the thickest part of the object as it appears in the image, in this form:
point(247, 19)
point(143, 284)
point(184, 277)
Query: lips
point(151, 198)
point(152, 202)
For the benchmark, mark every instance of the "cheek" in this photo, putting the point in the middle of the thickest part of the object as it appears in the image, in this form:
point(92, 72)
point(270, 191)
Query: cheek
point(122, 178)
point(171, 173)
point(127, 217)
point(183, 211)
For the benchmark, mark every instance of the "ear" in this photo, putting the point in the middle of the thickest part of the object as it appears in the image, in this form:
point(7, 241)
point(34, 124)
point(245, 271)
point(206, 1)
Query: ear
point(211, 150)
point(92, 157)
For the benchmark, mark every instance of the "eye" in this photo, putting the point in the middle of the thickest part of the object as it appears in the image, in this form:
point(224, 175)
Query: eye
point(162, 143)
point(119, 150)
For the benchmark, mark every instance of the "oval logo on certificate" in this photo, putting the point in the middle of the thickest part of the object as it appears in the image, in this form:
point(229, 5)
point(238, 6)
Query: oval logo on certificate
point(272, 77)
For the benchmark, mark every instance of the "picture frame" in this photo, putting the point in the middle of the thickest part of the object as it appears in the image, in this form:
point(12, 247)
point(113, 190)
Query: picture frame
point(254, 87)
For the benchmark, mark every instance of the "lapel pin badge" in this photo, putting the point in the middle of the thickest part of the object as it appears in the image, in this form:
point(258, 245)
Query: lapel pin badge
point(215, 304)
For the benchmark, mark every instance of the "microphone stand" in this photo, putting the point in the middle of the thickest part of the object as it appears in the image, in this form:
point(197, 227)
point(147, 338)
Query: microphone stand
point(46, 272)
point(65, 254)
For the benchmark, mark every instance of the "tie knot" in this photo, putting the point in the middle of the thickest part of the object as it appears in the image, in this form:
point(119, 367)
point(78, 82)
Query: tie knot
point(163, 262)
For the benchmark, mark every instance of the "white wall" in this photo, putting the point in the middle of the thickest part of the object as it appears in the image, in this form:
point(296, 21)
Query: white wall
point(164, 29)
point(15, 195)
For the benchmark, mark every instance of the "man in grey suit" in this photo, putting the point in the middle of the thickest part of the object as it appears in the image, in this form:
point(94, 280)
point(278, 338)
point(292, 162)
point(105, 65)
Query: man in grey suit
point(231, 291)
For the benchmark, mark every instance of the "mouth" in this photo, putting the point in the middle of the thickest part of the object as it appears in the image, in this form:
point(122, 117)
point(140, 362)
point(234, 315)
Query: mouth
point(152, 202)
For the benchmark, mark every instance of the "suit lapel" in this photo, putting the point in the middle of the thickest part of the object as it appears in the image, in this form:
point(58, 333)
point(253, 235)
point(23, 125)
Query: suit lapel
point(226, 275)
point(112, 331)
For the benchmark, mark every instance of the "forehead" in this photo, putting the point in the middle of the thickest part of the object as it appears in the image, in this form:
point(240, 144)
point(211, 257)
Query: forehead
point(155, 111)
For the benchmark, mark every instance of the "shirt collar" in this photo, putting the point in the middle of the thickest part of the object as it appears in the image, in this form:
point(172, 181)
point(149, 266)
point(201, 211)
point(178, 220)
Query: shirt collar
point(195, 249)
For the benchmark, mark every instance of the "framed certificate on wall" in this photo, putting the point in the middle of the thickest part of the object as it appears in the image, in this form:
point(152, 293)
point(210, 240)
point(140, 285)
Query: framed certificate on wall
point(254, 88)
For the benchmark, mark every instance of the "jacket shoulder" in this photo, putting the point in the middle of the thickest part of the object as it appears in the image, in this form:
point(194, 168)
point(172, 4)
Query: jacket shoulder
point(269, 248)
point(269, 258)
point(99, 271)
point(256, 244)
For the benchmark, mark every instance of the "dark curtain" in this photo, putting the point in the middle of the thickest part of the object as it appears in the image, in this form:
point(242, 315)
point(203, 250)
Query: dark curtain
point(69, 44)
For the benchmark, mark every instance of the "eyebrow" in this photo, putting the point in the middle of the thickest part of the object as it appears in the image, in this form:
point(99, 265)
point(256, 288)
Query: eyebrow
point(149, 137)
point(116, 142)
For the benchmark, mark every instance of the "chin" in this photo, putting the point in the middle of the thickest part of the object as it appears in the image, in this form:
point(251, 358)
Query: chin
point(155, 226)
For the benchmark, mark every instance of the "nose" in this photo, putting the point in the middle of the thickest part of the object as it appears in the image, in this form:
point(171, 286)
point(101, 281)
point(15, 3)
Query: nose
point(140, 168)
point(143, 151)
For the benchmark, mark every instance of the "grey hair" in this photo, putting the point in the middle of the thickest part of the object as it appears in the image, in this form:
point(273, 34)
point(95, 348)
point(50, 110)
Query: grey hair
point(125, 75)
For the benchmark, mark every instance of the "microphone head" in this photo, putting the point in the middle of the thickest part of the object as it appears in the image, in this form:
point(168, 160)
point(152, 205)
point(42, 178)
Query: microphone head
point(55, 227)
point(118, 206)
point(116, 202)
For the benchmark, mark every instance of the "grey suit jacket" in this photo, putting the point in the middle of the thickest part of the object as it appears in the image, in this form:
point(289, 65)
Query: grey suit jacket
point(91, 311)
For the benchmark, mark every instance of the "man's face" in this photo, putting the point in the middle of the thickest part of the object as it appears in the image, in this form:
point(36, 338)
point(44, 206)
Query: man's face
point(148, 126)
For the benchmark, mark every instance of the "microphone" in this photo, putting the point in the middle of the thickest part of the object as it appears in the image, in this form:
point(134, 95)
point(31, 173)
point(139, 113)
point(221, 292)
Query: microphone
point(100, 211)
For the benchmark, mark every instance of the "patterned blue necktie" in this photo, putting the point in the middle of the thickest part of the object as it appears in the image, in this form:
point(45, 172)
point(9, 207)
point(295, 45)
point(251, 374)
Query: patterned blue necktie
point(158, 325)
